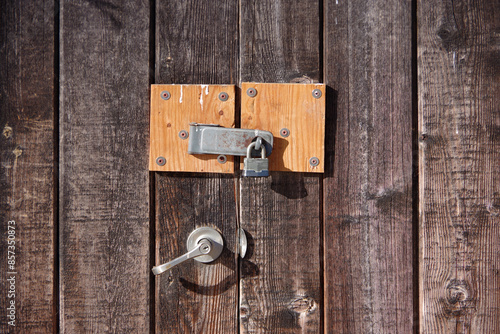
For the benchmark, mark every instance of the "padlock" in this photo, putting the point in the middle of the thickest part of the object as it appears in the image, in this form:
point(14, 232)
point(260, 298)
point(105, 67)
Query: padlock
point(255, 166)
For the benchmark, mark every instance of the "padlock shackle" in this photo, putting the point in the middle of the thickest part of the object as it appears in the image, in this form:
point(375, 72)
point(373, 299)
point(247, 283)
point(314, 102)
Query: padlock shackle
point(262, 150)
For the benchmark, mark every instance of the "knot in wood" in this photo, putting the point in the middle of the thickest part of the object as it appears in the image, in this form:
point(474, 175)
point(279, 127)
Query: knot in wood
point(18, 151)
point(244, 312)
point(451, 37)
point(459, 297)
point(303, 80)
point(7, 132)
point(303, 305)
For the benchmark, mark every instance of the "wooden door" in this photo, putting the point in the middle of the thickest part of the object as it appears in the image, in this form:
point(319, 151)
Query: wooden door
point(399, 235)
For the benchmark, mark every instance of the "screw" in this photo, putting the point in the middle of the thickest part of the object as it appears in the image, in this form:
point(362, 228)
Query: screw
point(161, 161)
point(314, 161)
point(223, 96)
point(317, 93)
point(222, 159)
point(165, 95)
point(284, 132)
point(183, 134)
point(251, 92)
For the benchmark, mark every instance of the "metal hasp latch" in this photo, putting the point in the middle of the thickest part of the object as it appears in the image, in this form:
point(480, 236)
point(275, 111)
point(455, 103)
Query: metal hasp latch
point(214, 139)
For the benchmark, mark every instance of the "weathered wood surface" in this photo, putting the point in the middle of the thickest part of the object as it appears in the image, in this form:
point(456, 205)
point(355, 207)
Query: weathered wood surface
point(110, 51)
point(27, 193)
point(195, 297)
point(368, 183)
point(280, 286)
point(196, 43)
point(459, 159)
point(104, 187)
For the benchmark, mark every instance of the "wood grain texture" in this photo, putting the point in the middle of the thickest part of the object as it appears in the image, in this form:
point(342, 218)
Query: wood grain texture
point(290, 106)
point(27, 164)
point(104, 186)
point(459, 159)
point(195, 297)
point(368, 182)
point(188, 104)
point(280, 286)
point(196, 43)
point(280, 41)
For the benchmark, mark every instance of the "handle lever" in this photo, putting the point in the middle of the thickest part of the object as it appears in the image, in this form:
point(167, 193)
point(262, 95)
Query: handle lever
point(203, 248)
point(204, 245)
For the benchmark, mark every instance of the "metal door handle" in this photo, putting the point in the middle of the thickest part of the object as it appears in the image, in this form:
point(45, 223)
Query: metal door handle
point(204, 245)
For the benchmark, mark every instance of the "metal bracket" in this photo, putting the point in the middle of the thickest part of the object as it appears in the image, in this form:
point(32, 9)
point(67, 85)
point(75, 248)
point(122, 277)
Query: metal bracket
point(215, 139)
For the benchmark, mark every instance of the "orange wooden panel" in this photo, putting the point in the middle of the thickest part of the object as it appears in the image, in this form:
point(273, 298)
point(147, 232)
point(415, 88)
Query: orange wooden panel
point(290, 106)
point(187, 104)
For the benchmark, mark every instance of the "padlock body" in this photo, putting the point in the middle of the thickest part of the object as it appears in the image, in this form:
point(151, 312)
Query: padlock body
point(256, 167)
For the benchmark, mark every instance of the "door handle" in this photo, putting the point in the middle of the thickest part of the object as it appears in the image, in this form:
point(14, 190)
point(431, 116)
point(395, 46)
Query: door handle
point(204, 245)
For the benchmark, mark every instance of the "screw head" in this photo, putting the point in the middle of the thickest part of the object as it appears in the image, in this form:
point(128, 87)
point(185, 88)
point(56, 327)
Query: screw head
point(222, 159)
point(183, 134)
point(223, 96)
point(165, 95)
point(284, 132)
point(314, 162)
point(161, 161)
point(251, 92)
point(316, 93)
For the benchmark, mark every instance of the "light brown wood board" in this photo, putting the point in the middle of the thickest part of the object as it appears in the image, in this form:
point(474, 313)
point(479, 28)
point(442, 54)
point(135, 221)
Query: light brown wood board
point(187, 104)
point(293, 107)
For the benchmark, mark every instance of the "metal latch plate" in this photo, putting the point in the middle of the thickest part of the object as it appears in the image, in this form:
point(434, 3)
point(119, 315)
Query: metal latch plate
point(214, 139)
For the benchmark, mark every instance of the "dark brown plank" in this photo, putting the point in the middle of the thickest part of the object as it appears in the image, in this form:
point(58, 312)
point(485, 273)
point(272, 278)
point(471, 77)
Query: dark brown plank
point(280, 41)
point(280, 287)
point(459, 159)
point(368, 185)
point(27, 165)
point(196, 43)
point(195, 297)
point(104, 186)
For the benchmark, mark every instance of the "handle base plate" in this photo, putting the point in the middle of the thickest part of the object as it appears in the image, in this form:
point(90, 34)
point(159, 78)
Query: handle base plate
point(206, 233)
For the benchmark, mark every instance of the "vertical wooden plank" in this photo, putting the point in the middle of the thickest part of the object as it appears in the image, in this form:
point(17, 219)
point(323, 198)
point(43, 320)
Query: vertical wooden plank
point(459, 159)
point(368, 184)
point(280, 287)
point(196, 43)
point(104, 187)
point(195, 297)
point(27, 166)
